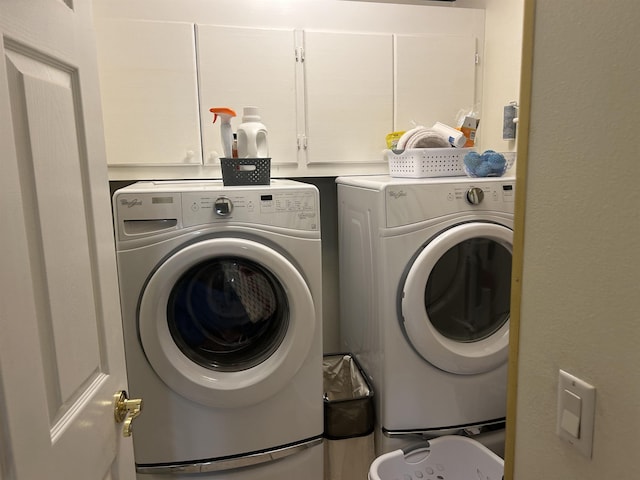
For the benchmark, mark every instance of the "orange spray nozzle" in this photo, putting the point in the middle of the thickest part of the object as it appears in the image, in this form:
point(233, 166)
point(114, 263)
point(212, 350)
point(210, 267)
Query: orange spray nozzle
point(225, 112)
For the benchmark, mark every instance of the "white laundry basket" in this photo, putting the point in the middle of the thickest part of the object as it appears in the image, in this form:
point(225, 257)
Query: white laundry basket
point(451, 457)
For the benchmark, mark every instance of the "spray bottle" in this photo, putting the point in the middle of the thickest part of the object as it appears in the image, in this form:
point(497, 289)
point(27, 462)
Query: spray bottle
point(225, 114)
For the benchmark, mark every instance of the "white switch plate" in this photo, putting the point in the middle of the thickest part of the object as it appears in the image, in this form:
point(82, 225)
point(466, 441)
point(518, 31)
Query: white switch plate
point(585, 409)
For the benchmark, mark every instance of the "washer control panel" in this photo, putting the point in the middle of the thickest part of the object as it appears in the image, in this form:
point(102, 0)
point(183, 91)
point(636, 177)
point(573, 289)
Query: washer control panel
point(149, 208)
point(290, 209)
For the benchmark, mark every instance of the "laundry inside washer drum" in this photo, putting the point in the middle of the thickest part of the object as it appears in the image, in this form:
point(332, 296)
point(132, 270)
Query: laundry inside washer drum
point(228, 314)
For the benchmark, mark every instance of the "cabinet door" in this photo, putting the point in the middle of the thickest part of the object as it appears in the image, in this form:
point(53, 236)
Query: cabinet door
point(149, 92)
point(241, 67)
point(435, 78)
point(349, 92)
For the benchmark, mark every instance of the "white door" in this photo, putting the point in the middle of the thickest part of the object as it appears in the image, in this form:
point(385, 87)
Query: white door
point(61, 352)
point(150, 94)
point(435, 78)
point(240, 67)
point(349, 110)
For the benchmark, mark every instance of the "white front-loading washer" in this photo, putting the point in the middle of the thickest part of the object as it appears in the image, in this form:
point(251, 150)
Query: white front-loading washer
point(221, 304)
point(425, 276)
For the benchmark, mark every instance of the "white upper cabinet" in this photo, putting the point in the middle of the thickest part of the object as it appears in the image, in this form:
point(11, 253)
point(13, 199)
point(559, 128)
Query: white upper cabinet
point(240, 67)
point(349, 96)
point(328, 96)
point(149, 93)
point(319, 108)
point(435, 77)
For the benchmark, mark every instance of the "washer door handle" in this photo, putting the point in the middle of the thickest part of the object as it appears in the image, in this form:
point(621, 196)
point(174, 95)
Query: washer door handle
point(125, 410)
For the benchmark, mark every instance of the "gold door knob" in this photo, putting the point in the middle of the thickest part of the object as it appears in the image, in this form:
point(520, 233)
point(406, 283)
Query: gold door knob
point(126, 410)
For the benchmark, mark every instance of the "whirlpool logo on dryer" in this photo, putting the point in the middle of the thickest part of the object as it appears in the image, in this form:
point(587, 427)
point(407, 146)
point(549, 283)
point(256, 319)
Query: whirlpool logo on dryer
point(397, 194)
point(130, 203)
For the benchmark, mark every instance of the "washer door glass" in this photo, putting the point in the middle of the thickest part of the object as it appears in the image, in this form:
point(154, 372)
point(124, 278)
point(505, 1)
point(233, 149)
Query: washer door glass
point(228, 313)
point(456, 298)
point(227, 322)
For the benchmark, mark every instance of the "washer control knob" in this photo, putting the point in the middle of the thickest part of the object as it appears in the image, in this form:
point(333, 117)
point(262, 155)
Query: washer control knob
point(223, 206)
point(475, 195)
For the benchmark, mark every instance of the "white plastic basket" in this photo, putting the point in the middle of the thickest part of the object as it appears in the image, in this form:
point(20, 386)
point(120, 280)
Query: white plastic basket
point(427, 162)
point(451, 457)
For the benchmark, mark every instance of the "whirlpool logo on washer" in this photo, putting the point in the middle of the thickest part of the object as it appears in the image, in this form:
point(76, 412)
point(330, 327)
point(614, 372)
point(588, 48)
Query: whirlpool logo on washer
point(397, 194)
point(130, 203)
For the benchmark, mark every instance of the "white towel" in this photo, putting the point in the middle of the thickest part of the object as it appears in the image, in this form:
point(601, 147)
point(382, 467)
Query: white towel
point(421, 137)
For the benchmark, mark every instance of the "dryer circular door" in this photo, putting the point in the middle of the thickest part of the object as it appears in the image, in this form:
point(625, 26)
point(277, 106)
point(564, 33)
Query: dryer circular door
point(456, 298)
point(226, 322)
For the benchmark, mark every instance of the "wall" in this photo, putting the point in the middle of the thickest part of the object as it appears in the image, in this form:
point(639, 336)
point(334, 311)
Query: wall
point(418, 17)
point(503, 44)
point(581, 267)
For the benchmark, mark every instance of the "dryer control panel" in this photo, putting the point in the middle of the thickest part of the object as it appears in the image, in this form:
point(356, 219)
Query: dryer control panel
point(408, 203)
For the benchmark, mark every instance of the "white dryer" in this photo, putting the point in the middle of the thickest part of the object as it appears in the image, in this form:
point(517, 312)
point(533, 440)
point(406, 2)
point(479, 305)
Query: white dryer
point(425, 276)
point(221, 304)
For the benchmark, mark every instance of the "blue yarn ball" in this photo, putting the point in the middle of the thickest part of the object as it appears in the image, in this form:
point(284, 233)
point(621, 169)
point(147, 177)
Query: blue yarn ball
point(495, 162)
point(472, 160)
point(483, 170)
point(495, 158)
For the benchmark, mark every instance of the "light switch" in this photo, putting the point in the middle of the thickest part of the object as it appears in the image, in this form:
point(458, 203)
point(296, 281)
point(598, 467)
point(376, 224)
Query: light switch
point(571, 406)
point(576, 410)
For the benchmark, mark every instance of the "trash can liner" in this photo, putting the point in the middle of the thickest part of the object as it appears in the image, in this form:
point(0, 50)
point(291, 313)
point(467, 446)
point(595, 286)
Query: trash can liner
point(348, 398)
point(343, 379)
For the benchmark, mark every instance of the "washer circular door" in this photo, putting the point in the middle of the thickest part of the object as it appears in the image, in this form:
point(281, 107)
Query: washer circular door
point(226, 322)
point(456, 298)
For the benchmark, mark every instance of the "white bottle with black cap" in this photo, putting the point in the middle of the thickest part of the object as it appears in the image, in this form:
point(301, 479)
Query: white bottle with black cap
point(252, 135)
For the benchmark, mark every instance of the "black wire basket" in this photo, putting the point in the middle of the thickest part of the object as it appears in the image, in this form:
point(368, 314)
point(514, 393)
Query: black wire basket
point(246, 171)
